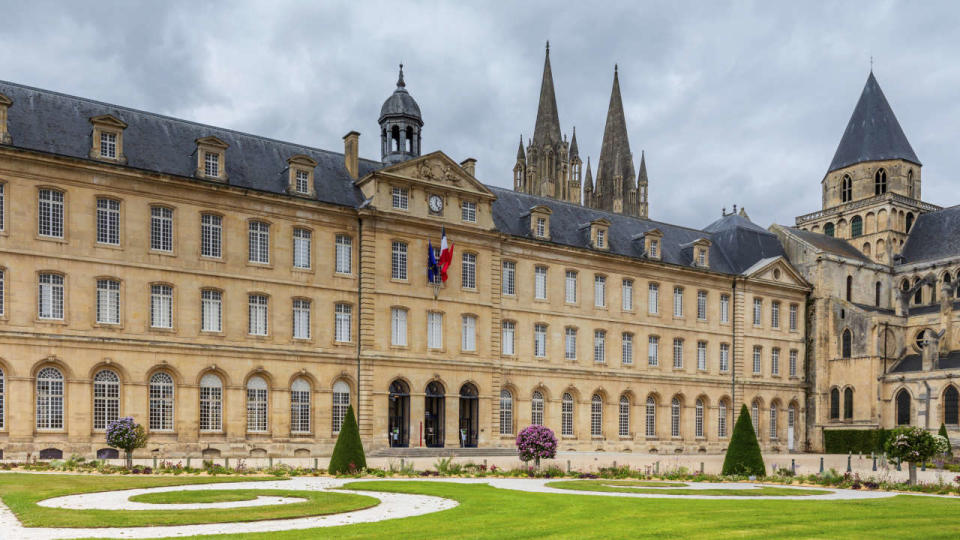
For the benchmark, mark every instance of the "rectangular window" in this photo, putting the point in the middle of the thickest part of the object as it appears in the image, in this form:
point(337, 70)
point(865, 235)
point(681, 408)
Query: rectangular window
point(678, 301)
point(701, 257)
point(793, 317)
point(570, 287)
point(343, 323)
point(259, 242)
point(257, 315)
point(50, 213)
point(434, 330)
point(161, 306)
point(508, 285)
point(626, 349)
point(540, 283)
point(211, 308)
point(401, 198)
point(601, 238)
point(701, 305)
point(2, 207)
point(654, 248)
point(599, 346)
point(626, 295)
point(540, 340)
point(541, 227)
point(211, 235)
point(468, 211)
point(344, 254)
point(724, 308)
point(108, 145)
point(653, 351)
point(398, 327)
point(653, 299)
point(398, 263)
point(570, 344)
point(775, 361)
point(599, 291)
point(677, 353)
point(211, 164)
point(108, 301)
point(50, 297)
point(302, 239)
point(301, 318)
point(757, 352)
point(506, 338)
point(702, 355)
point(724, 357)
point(775, 314)
point(793, 363)
point(3, 304)
point(161, 228)
point(108, 221)
point(303, 182)
point(468, 271)
point(757, 311)
point(469, 333)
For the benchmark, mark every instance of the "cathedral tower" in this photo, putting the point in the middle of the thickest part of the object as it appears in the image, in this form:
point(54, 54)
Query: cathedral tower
point(615, 190)
point(400, 125)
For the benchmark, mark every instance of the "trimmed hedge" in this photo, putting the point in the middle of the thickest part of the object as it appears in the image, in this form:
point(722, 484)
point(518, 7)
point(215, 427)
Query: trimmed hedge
point(857, 441)
point(348, 456)
point(743, 453)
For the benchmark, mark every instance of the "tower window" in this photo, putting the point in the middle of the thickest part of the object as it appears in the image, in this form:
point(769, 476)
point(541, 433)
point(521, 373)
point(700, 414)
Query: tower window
point(828, 229)
point(909, 222)
point(846, 189)
point(880, 182)
point(856, 226)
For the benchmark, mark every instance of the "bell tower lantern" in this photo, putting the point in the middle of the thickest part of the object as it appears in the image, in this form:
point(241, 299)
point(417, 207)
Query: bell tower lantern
point(400, 125)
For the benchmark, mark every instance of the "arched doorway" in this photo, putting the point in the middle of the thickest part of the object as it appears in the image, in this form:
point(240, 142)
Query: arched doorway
point(399, 415)
point(469, 416)
point(433, 415)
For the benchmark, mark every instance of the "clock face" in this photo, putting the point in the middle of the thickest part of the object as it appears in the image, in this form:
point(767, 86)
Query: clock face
point(436, 203)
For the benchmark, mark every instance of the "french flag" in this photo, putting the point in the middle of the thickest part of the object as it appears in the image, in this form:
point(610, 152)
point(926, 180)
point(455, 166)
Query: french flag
point(446, 255)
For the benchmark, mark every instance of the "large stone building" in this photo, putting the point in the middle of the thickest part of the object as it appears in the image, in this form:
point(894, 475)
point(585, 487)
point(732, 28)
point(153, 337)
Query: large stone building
point(236, 293)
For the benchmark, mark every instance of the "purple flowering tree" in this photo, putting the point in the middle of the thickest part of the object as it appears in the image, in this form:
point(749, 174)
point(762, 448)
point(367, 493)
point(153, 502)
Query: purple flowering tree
point(127, 435)
point(914, 445)
point(536, 443)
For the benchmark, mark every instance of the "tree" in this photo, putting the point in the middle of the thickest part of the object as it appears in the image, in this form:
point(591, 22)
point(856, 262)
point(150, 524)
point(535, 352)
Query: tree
point(743, 453)
point(536, 443)
point(943, 433)
point(914, 445)
point(127, 435)
point(348, 456)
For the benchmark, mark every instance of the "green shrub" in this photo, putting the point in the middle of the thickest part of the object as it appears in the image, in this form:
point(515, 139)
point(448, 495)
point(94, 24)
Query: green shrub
point(348, 456)
point(743, 453)
point(943, 433)
point(858, 441)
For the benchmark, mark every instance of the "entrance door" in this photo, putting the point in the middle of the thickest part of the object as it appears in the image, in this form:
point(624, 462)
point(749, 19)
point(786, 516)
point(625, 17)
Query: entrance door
point(398, 431)
point(433, 415)
point(791, 417)
point(469, 416)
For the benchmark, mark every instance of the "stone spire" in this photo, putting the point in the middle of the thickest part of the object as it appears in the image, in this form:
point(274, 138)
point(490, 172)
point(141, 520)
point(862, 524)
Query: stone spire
point(547, 128)
point(614, 150)
point(642, 188)
point(520, 154)
point(574, 149)
point(588, 185)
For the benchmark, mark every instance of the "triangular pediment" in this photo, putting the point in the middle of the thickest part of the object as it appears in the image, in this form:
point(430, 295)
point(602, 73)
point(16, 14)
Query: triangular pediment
point(435, 169)
point(215, 142)
point(775, 269)
point(108, 120)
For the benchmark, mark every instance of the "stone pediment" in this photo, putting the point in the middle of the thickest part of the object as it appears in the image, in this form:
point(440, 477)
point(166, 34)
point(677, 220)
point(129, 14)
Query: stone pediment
point(435, 169)
point(776, 269)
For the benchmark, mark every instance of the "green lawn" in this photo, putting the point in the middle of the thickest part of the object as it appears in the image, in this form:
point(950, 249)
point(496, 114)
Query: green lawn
point(627, 486)
point(213, 496)
point(20, 492)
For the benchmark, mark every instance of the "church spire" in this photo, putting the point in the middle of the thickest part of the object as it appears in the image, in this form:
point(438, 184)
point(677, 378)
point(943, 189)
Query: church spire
point(643, 208)
point(520, 154)
point(615, 155)
point(588, 184)
point(547, 128)
point(574, 149)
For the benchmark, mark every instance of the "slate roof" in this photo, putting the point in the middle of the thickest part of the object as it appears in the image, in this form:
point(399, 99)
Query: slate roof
point(57, 123)
point(913, 362)
point(829, 244)
point(873, 132)
point(735, 246)
point(935, 235)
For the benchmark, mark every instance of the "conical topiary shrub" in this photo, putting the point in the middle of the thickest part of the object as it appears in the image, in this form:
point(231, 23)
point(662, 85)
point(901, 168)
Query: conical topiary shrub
point(743, 453)
point(348, 456)
point(943, 433)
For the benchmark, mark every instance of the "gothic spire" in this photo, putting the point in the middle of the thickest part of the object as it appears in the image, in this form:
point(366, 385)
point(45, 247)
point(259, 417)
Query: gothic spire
point(588, 180)
point(520, 153)
point(615, 149)
point(642, 177)
point(574, 150)
point(547, 128)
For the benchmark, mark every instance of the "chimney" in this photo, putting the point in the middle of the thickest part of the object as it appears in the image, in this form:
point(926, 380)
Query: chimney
point(469, 165)
point(351, 153)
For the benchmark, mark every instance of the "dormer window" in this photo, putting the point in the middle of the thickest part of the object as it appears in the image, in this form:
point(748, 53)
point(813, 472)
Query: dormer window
point(108, 145)
point(653, 244)
point(5, 103)
point(301, 175)
point(599, 229)
point(655, 248)
point(701, 253)
point(601, 239)
point(540, 221)
point(541, 227)
point(211, 164)
point(211, 159)
point(107, 138)
point(701, 257)
point(300, 184)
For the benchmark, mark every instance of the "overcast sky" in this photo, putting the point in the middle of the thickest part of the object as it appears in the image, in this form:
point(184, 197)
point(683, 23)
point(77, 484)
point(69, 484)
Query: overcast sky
point(734, 104)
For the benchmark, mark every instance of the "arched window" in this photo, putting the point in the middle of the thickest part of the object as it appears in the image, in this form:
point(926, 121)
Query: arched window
point(49, 399)
point(880, 182)
point(624, 416)
point(675, 417)
point(848, 404)
point(903, 408)
point(909, 221)
point(211, 403)
point(341, 402)
point(773, 421)
point(106, 398)
point(536, 409)
point(161, 402)
point(651, 417)
point(856, 227)
point(913, 194)
point(566, 415)
point(846, 189)
point(257, 404)
point(755, 416)
point(835, 404)
point(918, 296)
point(506, 412)
point(698, 419)
point(596, 416)
point(920, 340)
point(877, 294)
point(828, 229)
point(849, 295)
point(408, 146)
point(847, 344)
point(300, 406)
point(951, 400)
point(722, 419)
point(395, 139)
